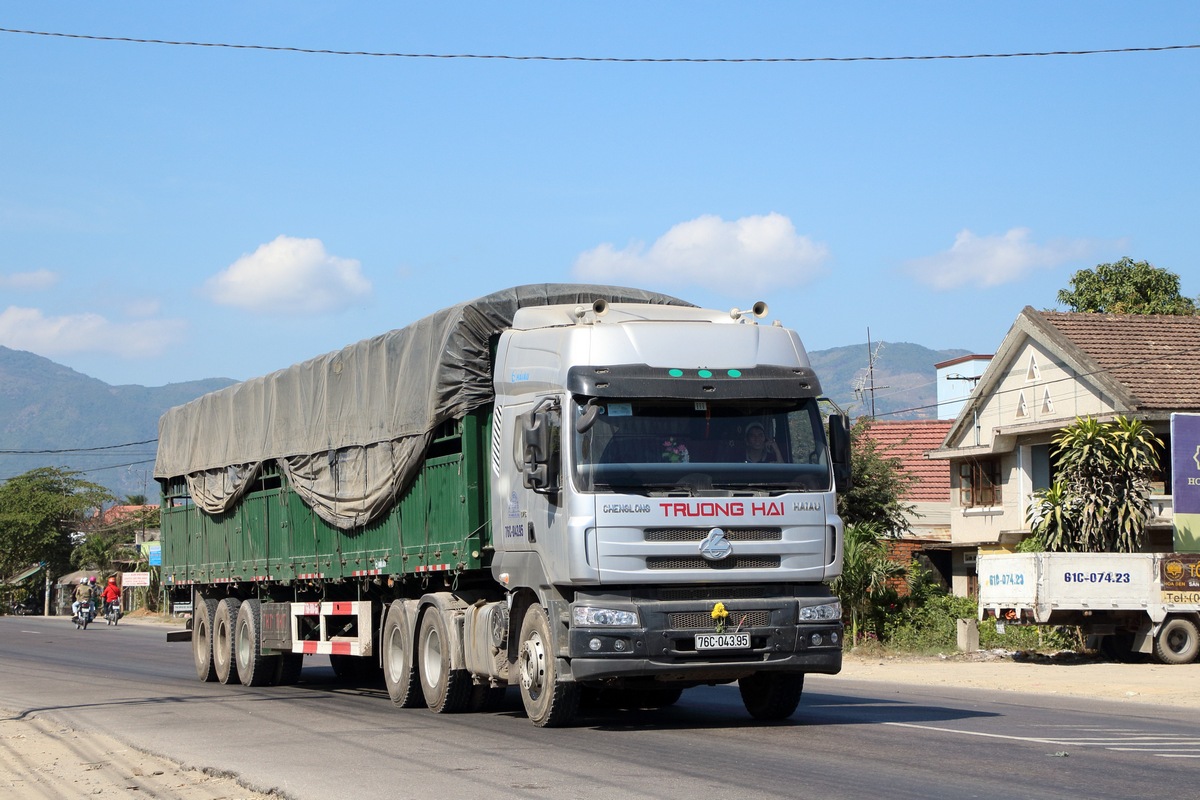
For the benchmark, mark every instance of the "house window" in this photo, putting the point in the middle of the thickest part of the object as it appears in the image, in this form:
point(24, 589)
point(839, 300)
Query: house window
point(979, 482)
point(1047, 403)
point(1022, 408)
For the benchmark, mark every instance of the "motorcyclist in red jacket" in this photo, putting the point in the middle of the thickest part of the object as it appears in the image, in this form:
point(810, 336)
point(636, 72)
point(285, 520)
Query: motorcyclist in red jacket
point(111, 592)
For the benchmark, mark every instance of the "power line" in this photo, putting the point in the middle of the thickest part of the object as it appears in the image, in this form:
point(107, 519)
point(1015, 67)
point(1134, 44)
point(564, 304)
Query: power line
point(602, 59)
point(1064, 379)
point(76, 449)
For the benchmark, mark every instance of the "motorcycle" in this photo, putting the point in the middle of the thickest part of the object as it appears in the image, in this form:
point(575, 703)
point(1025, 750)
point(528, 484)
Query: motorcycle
point(114, 612)
point(84, 616)
point(21, 609)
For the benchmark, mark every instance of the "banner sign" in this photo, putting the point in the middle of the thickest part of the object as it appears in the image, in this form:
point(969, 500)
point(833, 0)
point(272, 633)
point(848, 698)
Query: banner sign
point(129, 579)
point(1185, 480)
point(154, 554)
point(1180, 578)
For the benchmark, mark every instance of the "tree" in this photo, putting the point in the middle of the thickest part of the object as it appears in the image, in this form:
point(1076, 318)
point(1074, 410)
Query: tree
point(1100, 499)
point(98, 551)
point(39, 510)
point(866, 570)
point(1126, 287)
point(879, 483)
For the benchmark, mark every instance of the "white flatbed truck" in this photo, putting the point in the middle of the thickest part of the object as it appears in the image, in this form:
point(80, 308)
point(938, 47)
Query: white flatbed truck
point(1138, 603)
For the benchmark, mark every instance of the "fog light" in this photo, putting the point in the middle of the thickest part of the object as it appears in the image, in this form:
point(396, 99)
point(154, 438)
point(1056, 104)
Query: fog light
point(815, 638)
point(594, 644)
point(620, 645)
point(833, 637)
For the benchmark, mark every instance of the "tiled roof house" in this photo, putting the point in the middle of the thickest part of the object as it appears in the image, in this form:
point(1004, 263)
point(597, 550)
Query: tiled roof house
point(1051, 368)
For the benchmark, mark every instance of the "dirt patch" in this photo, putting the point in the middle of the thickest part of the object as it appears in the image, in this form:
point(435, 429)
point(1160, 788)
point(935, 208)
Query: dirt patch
point(39, 758)
point(1067, 674)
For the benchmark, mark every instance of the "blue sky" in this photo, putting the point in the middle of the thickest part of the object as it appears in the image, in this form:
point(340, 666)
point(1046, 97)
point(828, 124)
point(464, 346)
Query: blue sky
point(170, 213)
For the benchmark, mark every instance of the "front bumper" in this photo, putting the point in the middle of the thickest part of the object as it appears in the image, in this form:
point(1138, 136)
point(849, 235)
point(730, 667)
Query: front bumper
point(665, 646)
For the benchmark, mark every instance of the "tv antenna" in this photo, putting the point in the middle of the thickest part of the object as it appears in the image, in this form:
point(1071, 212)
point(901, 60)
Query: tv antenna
point(866, 381)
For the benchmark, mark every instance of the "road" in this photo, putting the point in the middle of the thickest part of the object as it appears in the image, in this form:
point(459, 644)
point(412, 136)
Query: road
point(850, 739)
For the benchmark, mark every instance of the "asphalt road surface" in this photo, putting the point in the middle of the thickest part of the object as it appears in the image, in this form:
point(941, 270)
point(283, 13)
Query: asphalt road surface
point(849, 739)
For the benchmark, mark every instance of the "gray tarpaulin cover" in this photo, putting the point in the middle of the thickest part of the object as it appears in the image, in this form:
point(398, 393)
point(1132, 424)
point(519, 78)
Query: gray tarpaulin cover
point(349, 428)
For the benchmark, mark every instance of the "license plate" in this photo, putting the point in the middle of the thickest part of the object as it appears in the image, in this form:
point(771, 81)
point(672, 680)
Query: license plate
point(722, 641)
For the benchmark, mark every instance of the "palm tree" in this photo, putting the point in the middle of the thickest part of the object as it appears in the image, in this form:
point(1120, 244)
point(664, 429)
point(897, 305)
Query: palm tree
point(866, 570)
point(1100, 500)
point(97, 551)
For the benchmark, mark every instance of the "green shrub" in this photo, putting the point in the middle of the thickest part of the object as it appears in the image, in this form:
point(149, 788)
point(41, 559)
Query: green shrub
point(931, 625)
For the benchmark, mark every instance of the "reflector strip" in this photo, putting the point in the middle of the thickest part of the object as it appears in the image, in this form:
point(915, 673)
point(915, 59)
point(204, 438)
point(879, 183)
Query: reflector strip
point(328, 648)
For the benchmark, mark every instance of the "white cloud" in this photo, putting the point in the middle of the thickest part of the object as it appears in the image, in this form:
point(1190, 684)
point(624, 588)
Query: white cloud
point(750, 253)
point(37, 279)
point(29, 329)
point(289, 275)
point(986, 261)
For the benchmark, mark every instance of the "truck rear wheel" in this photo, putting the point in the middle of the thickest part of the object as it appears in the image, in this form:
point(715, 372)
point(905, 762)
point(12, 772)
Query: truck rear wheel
point(1178, 641)
point(222, 639)
point(771, 695)
point(253, 668)
point(399, 668)
point(446, 690)
point(202, 651)
point(549, 702)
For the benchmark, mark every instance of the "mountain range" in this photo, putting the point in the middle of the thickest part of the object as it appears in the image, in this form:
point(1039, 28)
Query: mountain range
point(51, 415)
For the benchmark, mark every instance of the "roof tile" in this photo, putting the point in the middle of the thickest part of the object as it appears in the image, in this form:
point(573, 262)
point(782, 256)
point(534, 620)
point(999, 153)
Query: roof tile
point(1157, 357)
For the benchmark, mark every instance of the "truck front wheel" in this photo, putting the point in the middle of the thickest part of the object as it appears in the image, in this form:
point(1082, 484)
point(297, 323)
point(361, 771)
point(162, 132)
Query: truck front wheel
point(549, 702)
point(771, 695)
point(1178, 641)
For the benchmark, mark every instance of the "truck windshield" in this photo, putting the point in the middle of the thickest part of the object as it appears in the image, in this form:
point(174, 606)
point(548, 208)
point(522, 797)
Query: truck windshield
point(670, 446)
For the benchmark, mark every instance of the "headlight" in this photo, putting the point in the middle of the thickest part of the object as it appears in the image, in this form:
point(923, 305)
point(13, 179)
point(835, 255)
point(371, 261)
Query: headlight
point(825, 612)
point(584, 616)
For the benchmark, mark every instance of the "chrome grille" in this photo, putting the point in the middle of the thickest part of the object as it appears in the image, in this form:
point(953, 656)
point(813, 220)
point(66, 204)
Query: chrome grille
point(700, 534)
point(695, 562)
point(703, 621)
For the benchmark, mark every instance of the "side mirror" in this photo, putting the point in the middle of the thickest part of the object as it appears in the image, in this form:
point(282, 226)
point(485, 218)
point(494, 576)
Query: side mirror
point(539, 465)
point(839, 452)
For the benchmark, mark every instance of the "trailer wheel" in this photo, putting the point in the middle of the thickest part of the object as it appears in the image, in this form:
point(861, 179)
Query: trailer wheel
point(446, 690)
point(253, 668)
point(549, 702)
point(202, 651)
point(222, 639)
point(399, 667)
point(1178, 641)
point(771, 695)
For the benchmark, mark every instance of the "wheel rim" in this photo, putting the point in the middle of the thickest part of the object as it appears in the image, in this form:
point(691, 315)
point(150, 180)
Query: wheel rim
point(221, 640)
point(533, 665)
point(394, 655)
point(201, 635)
point(431, 657)
point(243, 645)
